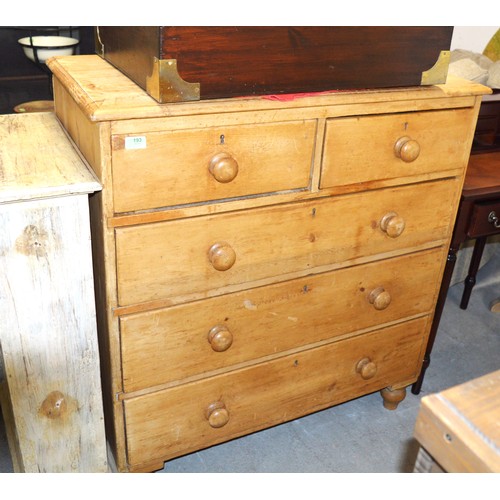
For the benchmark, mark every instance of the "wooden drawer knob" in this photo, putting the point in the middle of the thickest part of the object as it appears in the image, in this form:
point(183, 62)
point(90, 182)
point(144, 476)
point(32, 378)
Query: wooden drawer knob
point(380, 298)
point(223, 167)
point(222, 256)
point(392, 224)
point(217, 414)
point(220, 338)
point(407, 149)
point(366, 368)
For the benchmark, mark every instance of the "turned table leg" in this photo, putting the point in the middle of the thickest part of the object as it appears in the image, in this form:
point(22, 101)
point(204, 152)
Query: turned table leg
point(445, 284)
point(470, 280)
point(459, 236)
point(392, 397)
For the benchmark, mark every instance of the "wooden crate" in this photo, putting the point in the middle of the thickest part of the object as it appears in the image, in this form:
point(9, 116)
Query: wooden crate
point(459, 427)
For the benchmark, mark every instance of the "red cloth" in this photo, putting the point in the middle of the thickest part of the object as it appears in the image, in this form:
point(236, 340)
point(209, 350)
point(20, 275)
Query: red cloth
point(292, 97)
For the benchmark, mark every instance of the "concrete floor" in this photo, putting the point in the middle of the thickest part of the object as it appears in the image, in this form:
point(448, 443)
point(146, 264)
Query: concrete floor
point(361, 436)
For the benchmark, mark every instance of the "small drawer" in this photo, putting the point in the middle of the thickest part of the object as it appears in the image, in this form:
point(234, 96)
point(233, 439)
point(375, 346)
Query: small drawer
point(364, 150)
point(175, 421)
point(485, 219)
point(213, 163)
point(186, 259)
point(166, 345)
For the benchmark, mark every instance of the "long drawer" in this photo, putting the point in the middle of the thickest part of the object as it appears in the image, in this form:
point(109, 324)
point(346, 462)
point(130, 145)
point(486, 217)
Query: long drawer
point(361, 150)
point(184, 257)
point(190, 166)
point(191, 339)
point(168, 423)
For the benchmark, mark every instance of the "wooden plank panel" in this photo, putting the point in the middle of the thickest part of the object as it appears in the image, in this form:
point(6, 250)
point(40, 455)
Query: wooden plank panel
point(37, 160)
point(48, 335)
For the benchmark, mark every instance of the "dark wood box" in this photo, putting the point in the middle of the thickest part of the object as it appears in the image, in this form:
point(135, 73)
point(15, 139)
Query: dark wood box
point(190, 63)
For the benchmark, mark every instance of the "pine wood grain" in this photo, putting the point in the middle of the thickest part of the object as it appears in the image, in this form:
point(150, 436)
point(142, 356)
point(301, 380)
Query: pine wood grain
point(361, 150)
point(172, 344)
point(174, 165)
point(276, 241)
point(173, 422)
point(459, 426)
point(36, 160)
point(104, 93)
point(155, 263)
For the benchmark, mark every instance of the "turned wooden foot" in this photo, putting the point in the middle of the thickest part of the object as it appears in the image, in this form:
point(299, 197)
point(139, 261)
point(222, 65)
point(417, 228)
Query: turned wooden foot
point(495, 306)
point(392, 397)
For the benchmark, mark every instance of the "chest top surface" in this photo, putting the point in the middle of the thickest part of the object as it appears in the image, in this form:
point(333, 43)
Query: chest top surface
point(37, 160)
point(104, 93)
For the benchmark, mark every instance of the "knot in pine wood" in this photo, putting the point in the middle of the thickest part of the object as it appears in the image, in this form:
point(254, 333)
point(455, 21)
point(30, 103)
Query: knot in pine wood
point(54, 405)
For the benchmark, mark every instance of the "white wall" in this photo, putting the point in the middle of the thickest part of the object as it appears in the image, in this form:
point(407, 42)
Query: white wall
point(473, 38)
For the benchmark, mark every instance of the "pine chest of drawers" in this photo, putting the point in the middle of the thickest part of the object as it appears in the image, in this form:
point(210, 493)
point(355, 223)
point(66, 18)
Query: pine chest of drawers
point(260, 259)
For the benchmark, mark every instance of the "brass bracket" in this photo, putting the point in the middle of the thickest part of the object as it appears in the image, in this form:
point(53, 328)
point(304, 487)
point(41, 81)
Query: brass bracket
point(165, 84)
point(439, 72)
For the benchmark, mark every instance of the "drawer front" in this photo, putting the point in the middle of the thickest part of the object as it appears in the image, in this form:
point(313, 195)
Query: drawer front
point(171, 344)
point(191, 257)
point(213, 163)
point(179, 420)
point(360, 150)
point(485, 219)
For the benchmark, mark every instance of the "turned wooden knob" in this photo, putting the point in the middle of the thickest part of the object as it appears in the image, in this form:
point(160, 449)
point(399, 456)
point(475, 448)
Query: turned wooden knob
point(221, 256)
point(392, 224)
point(217, 414)
point(380, 298)
point(366, 368)
point(407, 149)
point(220, 338)
point(223, 167)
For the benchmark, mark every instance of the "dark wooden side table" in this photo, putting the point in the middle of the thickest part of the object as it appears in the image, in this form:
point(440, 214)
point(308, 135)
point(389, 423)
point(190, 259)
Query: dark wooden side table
point(478, 217)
